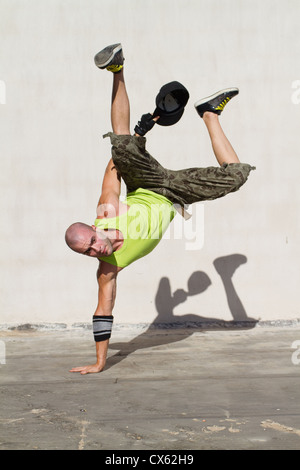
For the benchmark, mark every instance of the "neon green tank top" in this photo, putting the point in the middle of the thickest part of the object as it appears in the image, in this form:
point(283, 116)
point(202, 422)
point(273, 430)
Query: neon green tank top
point(142, 226)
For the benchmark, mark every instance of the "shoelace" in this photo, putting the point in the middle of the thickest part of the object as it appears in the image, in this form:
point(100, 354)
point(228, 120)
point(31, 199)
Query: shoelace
point(221, 105)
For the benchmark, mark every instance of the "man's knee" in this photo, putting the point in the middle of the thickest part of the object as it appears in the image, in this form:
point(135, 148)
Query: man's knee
point(238, 172)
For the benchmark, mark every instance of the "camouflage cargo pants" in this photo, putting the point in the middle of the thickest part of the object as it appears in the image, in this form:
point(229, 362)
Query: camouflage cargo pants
point(140, 170)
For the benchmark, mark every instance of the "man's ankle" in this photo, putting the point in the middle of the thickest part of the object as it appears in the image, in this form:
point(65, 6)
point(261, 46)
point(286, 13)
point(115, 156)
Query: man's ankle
point(209, 116)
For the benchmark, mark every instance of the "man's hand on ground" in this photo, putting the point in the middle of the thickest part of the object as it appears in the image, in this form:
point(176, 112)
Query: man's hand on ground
point(92, 369)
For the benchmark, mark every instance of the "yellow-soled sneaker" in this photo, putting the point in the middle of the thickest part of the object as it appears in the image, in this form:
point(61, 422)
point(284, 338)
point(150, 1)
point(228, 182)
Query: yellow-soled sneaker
point(215, 103)
point(110, 58)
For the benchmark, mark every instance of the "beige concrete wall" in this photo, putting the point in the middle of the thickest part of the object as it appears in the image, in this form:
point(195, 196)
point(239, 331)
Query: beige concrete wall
point(54, 108)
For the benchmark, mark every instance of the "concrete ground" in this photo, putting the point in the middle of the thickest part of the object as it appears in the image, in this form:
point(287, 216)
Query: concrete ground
point(161, 390)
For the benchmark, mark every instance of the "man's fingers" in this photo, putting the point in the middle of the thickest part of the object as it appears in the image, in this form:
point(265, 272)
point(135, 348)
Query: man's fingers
point(77, 369)
point(82, 370)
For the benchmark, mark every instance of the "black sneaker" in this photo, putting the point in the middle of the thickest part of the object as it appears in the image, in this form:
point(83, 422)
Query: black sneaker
point(215, 103)
point(111, 58)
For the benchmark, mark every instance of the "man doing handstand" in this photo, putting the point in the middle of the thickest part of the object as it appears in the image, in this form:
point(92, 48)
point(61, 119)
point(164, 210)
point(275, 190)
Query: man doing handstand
point(126, 231)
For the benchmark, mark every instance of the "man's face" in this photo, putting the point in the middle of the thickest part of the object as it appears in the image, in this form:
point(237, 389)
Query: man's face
point(95, 244)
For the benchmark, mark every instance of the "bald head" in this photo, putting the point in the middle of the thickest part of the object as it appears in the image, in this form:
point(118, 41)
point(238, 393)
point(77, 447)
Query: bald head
point(77, 234)
point(86, 240)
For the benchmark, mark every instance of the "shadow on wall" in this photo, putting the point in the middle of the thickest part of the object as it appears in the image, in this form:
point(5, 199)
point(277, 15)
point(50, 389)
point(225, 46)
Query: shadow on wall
point(198, 283)
point(165, 303)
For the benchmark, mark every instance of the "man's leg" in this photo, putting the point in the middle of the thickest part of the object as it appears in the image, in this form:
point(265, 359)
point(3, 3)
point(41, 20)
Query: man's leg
point(129, 155)
point(199, 184)
point(111, 58)
point(221, 146)
point(120, 110)
point(209, 109)
point(120, 107)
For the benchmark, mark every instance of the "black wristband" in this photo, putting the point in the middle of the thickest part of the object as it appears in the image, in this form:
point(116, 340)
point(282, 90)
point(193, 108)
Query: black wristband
point(102, 326)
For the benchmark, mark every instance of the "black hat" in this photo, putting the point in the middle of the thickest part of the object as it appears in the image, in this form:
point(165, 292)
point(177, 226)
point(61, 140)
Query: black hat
point(170, 103)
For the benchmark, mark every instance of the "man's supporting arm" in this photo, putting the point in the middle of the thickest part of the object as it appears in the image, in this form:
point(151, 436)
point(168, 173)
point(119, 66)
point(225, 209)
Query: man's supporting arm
point(107, 283)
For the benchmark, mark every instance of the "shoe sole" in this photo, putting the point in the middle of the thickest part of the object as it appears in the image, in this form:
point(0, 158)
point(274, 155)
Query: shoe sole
point(215, 95)
point(104, 57)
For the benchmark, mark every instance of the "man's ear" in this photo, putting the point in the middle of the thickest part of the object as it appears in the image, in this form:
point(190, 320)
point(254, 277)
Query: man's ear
point(97, 229)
